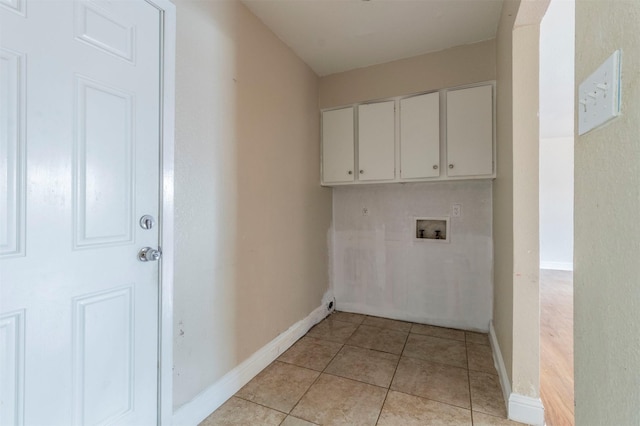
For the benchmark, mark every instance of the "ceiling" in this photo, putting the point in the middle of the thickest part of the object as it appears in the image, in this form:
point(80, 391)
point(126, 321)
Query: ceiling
point(332, 36)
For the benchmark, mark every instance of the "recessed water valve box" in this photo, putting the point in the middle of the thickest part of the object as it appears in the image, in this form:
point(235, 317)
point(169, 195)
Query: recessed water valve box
point(432, 229)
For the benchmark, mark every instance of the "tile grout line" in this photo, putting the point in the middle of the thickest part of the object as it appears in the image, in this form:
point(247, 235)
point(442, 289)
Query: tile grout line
point(303, 395)
point(299, 366)
point(466, 350)
point(406, 339)
point(344, 343)
point(353, 380)
point(272, 408)
point(371, 349)
point(323, 370)
point(436, 401)
point(259, 404)
point(334, 357)
point(437, 362)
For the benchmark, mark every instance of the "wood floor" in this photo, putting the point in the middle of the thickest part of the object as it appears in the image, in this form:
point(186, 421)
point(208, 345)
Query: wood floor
point(556, 346)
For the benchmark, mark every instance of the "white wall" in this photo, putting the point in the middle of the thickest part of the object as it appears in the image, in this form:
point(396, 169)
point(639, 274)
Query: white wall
point(556, 132)
point(379, 269)
point(556, 203)
point(557, 48)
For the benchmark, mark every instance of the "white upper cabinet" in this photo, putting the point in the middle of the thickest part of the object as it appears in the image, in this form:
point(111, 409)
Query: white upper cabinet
point(421, 140)
point(470, 132)
point(338, 146)
point(376, 141)
point(420, 136)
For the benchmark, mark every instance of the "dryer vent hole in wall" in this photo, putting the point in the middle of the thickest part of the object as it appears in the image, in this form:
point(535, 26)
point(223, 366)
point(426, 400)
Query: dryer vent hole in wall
point(432, 229)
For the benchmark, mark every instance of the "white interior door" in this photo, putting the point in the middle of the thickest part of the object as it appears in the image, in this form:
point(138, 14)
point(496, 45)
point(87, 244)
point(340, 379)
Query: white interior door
point(79, 166)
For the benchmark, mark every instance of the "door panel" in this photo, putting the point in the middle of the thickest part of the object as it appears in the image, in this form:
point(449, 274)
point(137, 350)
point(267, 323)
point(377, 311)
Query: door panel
point(12, 368)
point(17, 6)
point(103, 382)
point(12, 151)
point(104, 30)
point(72, 290)
point(104, 165)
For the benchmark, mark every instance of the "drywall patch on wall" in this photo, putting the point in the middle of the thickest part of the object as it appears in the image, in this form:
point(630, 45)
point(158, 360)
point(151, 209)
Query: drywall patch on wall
point(379, 268)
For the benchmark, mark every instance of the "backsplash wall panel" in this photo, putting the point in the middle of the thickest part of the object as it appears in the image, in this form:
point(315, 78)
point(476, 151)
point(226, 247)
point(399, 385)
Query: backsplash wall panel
point(379, 268)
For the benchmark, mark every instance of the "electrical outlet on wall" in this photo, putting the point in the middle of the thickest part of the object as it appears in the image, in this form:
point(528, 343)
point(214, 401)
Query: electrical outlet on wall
point(365, 211)
point(456, 210)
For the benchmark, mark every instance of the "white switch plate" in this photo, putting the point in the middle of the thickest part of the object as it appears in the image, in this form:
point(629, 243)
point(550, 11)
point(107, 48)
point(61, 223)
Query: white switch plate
point(456, 210)
point(599, 95)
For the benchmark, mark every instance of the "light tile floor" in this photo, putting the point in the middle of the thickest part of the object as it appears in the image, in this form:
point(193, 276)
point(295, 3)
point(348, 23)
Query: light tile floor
point(354, 369)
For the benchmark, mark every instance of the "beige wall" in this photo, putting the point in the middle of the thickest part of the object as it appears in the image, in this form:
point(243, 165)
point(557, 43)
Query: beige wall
point(606, 267)
point(516, 225)
point(251, 217)
point(526, 221)
point(503, 188)
point(451, 67)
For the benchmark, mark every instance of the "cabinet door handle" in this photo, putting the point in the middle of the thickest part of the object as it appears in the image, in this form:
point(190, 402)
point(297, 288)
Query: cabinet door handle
point(361, 172)
point(435, 167)
point(451, 166)
point(350, 172)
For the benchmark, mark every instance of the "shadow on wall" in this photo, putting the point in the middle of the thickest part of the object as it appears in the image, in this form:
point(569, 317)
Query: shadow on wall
point(283, 213)
point(251, 217)
point(205, 188)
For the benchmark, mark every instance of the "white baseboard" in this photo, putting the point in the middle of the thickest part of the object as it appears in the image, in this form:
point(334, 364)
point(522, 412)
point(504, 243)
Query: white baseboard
point(558, 266)
point(499, 364)
point(520, 408)
point(525, 409)
point(206, 402)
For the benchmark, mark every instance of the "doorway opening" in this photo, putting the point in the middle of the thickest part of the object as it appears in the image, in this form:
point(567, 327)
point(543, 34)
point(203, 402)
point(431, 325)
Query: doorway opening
point(557, 34)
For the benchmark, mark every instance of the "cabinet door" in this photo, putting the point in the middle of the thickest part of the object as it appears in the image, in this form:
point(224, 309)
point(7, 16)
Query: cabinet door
point(420, 136)
point(470, 132)
point(337, 146)
point(376, 141)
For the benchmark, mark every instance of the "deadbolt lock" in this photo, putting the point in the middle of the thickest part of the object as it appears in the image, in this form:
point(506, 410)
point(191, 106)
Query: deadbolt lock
point(147, 221)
